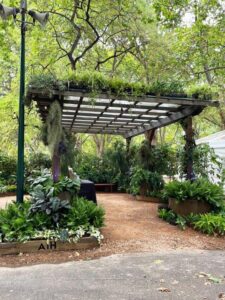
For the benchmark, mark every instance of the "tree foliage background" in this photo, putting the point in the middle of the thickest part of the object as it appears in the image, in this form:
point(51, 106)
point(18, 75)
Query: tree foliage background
point(142, 40)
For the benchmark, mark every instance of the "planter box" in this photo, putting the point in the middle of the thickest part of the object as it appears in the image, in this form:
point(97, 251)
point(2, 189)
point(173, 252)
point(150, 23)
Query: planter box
point(189, 206)
point(43, 246)
point(148, 199)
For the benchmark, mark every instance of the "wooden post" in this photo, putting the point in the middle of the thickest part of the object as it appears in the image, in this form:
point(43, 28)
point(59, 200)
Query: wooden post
point(188, 148)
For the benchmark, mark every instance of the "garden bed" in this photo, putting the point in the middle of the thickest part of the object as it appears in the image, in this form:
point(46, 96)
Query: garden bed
point(46, 246)
point(189, 206)
point(148, 199)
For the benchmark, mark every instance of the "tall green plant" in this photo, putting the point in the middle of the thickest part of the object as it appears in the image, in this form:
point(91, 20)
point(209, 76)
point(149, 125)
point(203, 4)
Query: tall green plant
point(201, 190)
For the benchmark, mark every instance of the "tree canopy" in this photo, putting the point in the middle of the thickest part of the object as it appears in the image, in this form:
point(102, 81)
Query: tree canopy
point(137, 41)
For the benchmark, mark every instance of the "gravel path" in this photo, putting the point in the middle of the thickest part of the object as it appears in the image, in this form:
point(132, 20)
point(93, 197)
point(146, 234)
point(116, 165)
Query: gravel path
point(131, 226)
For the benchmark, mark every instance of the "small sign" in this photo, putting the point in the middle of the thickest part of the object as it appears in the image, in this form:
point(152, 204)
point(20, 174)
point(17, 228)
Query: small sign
point(50, 246)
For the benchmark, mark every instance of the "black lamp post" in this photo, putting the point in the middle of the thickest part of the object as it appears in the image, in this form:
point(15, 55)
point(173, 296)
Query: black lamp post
point(42, 18)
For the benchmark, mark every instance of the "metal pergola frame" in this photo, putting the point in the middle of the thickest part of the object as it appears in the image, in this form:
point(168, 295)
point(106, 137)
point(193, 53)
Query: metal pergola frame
point(125, 115)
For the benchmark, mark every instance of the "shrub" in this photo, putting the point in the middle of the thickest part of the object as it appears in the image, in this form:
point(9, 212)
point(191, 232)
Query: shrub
point(145, 180)
point(206, 163)
point(7, 167)
point(210, 224)
point(201, 190)
point(160, 159)
point(45, 180)
point(86, 213)
point(20, 222)
point(37, 161)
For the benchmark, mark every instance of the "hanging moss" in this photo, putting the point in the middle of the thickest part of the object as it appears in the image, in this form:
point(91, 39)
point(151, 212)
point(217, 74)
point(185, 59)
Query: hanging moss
point(44, 134)
point(54, 126)
point(70, 153)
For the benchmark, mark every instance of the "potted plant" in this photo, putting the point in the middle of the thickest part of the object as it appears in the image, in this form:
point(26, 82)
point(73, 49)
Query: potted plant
point(198, 197)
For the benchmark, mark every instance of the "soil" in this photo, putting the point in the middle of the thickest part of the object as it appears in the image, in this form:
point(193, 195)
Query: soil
point(131, 226)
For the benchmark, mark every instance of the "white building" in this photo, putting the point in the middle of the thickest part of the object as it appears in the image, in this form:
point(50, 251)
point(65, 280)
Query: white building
point(216, 141)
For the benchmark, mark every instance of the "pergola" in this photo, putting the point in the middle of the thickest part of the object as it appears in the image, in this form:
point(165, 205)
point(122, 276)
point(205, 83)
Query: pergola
point(126, 115)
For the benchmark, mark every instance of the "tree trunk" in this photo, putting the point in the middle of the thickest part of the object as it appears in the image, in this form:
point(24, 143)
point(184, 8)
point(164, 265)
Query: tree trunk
point(189, 148)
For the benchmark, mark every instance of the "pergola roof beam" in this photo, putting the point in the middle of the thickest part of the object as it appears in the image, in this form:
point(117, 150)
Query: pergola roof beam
point(166, 121)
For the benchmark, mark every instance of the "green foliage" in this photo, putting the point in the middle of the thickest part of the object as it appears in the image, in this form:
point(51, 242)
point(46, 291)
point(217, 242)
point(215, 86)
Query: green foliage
point(7, 188)
point(112, 167)
point(160, 158)
point(37, 161)
point(95, 83)
point(15, 223)
point(67, 185)
point(167, 215)
point(201, 92)
point(86, 213)
point(45, 182)
point(146, 182)
point(205, 162)
point(22, 222)
point(7, 167)
point(181, 222)
point(210, 224)
point(201, 190)
point(42, 200)
point(46, 82)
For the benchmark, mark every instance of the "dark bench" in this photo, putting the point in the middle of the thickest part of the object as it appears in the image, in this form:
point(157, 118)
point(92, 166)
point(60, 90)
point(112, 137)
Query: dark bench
point(105, 185)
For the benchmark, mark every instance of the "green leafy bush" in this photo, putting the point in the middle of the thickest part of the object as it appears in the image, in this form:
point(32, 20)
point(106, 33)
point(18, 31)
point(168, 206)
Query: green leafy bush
point(44, 201)
point(84, 213)
point(7, 168)
point(22, 223)
point(16, 225)
point(45, 181)
point(205, 162)
point(113, 167)
point(37, 161)
point(210, 224)
point(167, 215)
point(145, 182)
point(160, 158)
point(201, 190)
point(202, 92)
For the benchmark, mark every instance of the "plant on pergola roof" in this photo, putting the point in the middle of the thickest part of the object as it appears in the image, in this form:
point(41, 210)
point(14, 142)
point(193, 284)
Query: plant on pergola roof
point(94, 104)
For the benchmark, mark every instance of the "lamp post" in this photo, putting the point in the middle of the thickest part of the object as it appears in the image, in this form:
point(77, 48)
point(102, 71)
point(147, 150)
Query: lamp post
point(42, 18)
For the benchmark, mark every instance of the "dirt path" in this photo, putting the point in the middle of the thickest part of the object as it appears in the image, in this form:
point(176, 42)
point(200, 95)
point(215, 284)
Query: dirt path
point(131, 226)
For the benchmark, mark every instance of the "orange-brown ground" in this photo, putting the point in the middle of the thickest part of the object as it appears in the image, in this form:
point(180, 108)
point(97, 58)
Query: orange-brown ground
point(131, 226)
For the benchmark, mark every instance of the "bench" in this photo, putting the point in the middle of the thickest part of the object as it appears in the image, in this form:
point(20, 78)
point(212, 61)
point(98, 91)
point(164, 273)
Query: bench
point(105, 185)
